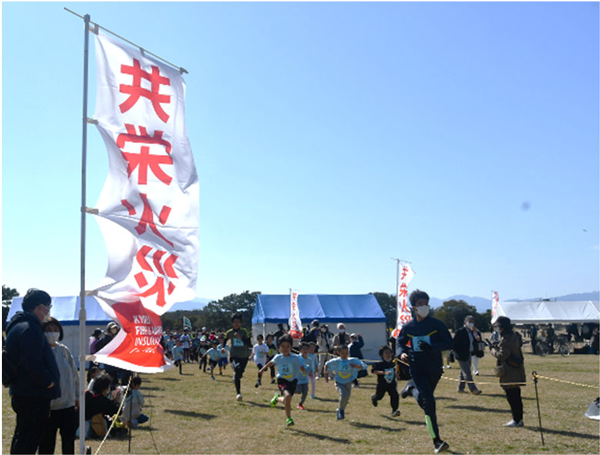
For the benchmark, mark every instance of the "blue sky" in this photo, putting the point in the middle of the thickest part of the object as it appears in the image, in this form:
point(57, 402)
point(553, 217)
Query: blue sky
point(329, 138)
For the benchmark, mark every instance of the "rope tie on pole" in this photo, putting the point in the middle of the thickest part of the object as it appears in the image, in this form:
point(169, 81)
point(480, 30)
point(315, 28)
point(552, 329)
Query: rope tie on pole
point(115, 416)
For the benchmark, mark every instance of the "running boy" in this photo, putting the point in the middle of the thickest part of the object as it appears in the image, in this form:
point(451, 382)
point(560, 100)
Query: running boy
point(240, 351)
point(178, 355)
point(202, 354)
point(386, 379)
point(312, 347)
point(224, 353)
point(302, 387)
point(345, 370)
point(213, 354)
point(288, 369)
point(270, 342)
point(260, 352)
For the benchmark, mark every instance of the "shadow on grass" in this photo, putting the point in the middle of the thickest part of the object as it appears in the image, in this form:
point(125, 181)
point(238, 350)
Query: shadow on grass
point(167, 379)
point(571, 434)
point(190, 414)
point(330, 400)
point(258, 405)
point(478, 408)
point(152, 388)
point(323, 411)
point(499, 395)
point(373, 427)
point(321, 436)
point(446, 398)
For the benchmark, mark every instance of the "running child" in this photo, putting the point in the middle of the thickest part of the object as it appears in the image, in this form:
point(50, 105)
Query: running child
point(270, 342)
point(312, 347)
point(225, 350)
point(203, 360)
point(386, 380)
point(240, 351)
point(260, 352)
point(289, 367)
point(213, 354)
point(178, 355)
point(345, 371)
point(303, 378)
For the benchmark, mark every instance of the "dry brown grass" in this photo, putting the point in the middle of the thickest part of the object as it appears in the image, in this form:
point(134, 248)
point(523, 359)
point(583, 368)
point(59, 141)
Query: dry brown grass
point(192, 414)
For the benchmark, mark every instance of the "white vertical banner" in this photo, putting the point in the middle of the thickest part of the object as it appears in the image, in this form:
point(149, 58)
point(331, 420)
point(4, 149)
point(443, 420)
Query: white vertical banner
point(403, 311)
point(495, 302)
point(295, 323)
point(148, 207)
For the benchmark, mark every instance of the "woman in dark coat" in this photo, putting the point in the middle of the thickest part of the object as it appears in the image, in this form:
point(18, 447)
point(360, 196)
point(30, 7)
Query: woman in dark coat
point(509, 355)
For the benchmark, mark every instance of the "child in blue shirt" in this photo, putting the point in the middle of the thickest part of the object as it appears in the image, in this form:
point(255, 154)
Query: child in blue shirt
point(345, 371)
point(178, 355)
point(213, 354)
point(312, 375)
point(302, 387)
point(289, 367)
point(202, 354)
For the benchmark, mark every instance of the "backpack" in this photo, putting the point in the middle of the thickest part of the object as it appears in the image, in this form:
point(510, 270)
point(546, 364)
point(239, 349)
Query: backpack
point(9, 369)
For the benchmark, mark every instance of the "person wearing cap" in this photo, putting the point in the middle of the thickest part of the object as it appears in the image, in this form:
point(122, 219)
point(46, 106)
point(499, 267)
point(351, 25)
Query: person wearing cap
point(421, 342)
point(511, 368)
point(38, 377)
point(342, 338)
point(312, 333)
point(464, 348)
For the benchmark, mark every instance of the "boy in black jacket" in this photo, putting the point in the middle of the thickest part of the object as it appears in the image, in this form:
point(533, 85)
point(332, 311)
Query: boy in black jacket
point(386, 379)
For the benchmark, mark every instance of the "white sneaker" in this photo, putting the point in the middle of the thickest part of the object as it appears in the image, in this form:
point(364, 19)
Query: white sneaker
point(513, 424)
point(239, 397)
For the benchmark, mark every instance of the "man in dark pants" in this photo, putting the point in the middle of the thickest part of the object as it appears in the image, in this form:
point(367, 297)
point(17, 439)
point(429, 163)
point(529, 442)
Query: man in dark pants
point(38, 379)
point(421, 343)
point(241, 347)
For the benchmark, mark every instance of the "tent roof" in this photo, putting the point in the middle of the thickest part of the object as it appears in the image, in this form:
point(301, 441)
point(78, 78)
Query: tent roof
point(66, 310)
point(325, 308)
point(542, 311)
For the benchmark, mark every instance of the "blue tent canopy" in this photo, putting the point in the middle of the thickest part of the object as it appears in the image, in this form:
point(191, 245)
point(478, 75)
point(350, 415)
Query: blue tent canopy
point(325, 308)
point(66, 310)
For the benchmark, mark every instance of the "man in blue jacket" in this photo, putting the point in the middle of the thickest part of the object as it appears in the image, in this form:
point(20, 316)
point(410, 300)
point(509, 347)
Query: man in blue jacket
point(38, 379)
point(421, 342)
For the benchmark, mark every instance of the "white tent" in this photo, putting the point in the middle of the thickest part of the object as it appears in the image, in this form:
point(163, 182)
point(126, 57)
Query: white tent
point(549, 312)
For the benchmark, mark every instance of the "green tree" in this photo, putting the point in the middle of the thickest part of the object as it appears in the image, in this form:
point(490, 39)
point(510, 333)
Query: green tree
point(453, 313)
point(7, 296)
point(217, 314)
point(387, 302)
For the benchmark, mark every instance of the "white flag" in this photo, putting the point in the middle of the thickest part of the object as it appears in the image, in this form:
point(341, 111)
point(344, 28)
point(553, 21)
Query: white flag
point(148, 208)
point(295, 322)
point(403, 311)
point(495, 301)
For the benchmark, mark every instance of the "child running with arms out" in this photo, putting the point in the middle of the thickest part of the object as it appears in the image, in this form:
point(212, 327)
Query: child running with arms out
point(345, 371)
point(386, 379)
point(289, 367)
point(260, 352)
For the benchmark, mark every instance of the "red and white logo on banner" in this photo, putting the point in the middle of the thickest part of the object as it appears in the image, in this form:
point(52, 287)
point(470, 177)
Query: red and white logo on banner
point(295, 322)
point(137, 345)
point(148, 207)
point(495, 302)
point(403, 311)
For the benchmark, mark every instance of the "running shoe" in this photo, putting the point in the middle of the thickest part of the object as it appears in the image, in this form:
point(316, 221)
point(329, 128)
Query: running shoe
point(274, 400)
point(440, 446)
point(374, 400)
point(301, 407)
point(514, 424)
point(289, 422)
point(396, 413)
point(239, 397)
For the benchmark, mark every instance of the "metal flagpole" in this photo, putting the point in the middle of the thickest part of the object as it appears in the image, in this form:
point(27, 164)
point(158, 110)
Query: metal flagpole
point(396, 293)
point(82, 312)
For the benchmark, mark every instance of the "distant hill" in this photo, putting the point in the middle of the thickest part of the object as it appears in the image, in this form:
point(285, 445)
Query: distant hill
point(195, 304)
point(594, 296)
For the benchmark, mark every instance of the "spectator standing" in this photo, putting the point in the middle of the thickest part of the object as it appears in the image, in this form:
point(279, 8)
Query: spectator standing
point(510, 368)
point(94, 338)
point(341, 338)
point(464, 346)
point(479, 350)
point(325, 345)
point(312, 333)
point(38, 378)
point(64, 410)
point(354, 349)
point(280, 332)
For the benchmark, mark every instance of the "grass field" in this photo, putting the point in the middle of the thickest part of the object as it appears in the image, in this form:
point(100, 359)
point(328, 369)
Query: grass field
point(192, 414)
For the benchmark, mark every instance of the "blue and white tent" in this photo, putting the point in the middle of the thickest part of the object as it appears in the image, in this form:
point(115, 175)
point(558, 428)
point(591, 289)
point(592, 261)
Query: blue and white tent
point(360, 314)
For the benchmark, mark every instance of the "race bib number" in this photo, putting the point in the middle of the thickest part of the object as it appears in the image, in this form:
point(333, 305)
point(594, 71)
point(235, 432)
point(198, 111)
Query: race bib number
point(285, 370)
point(237, 342)
point(389, 375)
point(417, 340)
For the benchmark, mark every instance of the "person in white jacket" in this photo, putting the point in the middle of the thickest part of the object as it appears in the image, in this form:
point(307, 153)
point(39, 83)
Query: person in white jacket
point(64, 410)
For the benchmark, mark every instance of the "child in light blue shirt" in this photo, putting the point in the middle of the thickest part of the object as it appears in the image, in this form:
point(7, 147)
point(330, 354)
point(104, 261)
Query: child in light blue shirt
point(213, 354)
point(345, 371)
point(302, 387)
point(178, 355)
point(312, 347)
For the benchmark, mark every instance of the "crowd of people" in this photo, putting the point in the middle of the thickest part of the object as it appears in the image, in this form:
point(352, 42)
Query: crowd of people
point(45, 393)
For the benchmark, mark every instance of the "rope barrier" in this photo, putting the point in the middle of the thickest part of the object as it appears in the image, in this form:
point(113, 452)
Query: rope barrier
point(115, 416)
point(566, 382)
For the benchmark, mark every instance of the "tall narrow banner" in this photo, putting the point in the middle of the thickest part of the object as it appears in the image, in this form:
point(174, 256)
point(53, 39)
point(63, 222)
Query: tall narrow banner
point(187, 324)
point(403, 311)
point(295, 322)
point(495, 302)
point(148, 207)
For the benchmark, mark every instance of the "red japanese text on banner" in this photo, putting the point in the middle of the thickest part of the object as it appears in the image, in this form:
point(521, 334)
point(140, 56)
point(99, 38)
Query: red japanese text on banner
point(495, 302)
point(403, 311)
point(148, 207)
point(295, 322)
